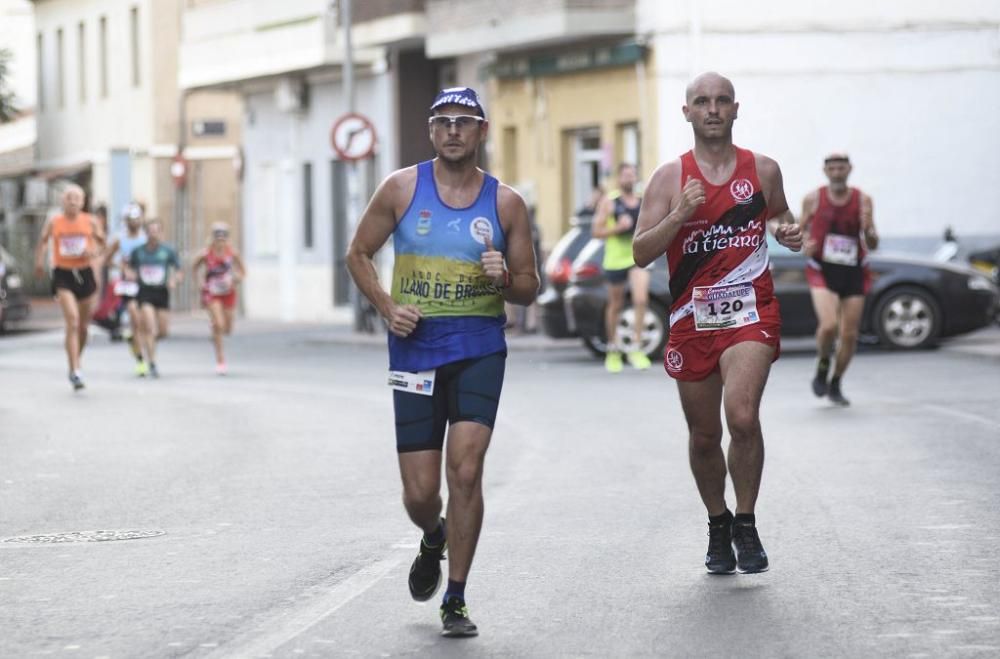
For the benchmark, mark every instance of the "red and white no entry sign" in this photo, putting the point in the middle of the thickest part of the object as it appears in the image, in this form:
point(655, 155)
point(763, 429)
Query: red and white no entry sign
point(353, 137)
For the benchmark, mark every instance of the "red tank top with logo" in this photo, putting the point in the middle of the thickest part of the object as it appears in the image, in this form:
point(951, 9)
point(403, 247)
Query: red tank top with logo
point(219, 272)
point(718, 260)
point(837, 230)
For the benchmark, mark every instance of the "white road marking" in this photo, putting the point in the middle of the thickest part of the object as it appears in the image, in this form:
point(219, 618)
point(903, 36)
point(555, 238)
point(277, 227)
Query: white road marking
point(288, 627)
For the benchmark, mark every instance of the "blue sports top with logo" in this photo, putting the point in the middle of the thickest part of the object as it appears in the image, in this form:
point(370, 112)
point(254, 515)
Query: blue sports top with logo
point(438, 269)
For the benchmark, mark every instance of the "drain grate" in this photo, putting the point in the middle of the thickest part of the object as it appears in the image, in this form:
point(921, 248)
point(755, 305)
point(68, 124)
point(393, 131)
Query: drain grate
point(82, 536)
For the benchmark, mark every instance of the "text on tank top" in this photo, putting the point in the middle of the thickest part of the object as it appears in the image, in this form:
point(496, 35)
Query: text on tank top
point(219, 272)
point(718, 260)
point(438, 251)
point(837, 229)
point(72, 240)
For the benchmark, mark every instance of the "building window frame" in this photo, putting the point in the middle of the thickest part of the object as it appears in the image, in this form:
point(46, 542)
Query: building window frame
point(60, 69)
point(308, 215)
point(40, 70)
point(134, 37)
point(103, 54)
point(81, 60)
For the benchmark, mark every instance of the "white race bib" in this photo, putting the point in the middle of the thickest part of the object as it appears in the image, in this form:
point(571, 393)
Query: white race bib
point(421, 382)
point(126, 288)
point(842, 250)
point(153, 275)
point(220, 285)
point(72, 246)
point(724, 307)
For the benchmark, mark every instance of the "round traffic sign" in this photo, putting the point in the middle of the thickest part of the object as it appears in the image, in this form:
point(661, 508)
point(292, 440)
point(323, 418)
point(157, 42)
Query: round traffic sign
point(178, 170)
point(353, 136)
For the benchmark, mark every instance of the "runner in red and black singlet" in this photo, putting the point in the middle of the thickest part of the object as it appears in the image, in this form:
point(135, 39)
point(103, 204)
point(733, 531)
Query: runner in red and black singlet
point(719, 279)
point(224, 270)
point(708, 210)
point(838, 221)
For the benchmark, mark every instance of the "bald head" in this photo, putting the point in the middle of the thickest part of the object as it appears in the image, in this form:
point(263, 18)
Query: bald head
point(707, 83)
point(72, 199)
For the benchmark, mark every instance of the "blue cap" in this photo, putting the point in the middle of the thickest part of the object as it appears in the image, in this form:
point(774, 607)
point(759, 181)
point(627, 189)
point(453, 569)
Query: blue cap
point(466, 96)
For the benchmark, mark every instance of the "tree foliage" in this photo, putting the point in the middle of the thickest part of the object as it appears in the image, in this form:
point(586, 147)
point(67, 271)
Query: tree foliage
point(8, 111)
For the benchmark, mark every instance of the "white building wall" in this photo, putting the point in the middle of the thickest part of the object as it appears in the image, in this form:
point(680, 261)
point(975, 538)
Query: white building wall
point(17, 35)
point(80, 131)
point(908, 88)
point(286, 280)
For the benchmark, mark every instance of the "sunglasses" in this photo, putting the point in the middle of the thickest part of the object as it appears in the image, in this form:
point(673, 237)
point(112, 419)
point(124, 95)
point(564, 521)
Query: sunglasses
point(220, 234)
point(463, 121)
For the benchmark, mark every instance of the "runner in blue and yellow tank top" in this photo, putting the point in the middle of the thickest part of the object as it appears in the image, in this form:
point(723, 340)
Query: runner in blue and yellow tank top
point(463, 248)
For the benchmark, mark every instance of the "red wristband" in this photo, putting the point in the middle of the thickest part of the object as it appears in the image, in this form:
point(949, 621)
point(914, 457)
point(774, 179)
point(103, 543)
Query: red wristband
point(506, 279)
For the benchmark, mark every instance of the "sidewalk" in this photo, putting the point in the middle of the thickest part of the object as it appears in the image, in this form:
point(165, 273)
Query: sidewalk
point(46, 316)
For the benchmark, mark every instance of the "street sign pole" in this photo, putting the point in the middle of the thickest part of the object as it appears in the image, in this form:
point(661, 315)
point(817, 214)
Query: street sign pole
point(353, 187)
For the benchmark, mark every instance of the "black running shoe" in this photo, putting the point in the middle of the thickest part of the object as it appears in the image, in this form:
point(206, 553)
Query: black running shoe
point(455, 621)
point(836, 397)
point(425, 573)
point(820, 386)
point(751, 556)
point(720, 558)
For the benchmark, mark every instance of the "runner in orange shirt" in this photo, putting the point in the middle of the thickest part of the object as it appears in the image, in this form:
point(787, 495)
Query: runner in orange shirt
point(76, 240)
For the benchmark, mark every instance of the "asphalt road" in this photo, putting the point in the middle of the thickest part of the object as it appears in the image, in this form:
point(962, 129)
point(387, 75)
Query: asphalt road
point(274, 493)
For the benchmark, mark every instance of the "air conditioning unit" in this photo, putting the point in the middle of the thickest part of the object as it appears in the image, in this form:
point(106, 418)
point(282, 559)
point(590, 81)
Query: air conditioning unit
point(290, 94)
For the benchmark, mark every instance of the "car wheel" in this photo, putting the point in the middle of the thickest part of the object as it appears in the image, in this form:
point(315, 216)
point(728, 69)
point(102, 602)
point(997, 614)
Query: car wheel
point(655, 331)
point(907, 318)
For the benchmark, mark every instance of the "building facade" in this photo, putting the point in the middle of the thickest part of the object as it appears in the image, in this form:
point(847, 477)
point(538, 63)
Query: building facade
point(570, 94)
point(21, 208)
point(903, 86)
point(301, 200)
point(111, 118)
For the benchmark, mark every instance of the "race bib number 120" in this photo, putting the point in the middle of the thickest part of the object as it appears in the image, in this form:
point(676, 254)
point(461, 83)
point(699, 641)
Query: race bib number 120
point(725, 306)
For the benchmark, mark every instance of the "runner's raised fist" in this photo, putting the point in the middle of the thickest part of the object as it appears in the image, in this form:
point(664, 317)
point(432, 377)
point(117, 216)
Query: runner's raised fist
point(692, 196)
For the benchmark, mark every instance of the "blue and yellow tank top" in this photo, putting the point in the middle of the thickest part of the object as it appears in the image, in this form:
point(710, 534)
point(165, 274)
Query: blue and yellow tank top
point(437, 268)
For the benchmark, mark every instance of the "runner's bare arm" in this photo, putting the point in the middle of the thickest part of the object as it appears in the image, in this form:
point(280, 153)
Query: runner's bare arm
point(868, 222)
point(809, 206)
point(98, 233)
point(599, 226)
point(43, 242)
point(241, 268)
point(787, 232)
point(666, 206)
point(520, 256)
point(374, 228)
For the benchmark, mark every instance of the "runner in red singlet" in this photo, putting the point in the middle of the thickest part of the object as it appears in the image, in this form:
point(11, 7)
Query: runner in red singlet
point(224, 269)
point(709, 210)
point(838, 221)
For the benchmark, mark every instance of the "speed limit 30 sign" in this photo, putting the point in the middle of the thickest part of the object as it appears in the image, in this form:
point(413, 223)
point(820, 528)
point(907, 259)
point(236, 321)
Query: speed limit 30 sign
point(353, 137)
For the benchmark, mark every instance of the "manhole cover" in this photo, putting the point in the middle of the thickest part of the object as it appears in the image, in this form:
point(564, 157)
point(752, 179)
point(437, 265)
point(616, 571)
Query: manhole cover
point(82, 536)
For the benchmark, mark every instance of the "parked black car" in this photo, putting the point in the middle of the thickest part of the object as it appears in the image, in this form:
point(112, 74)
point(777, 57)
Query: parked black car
point(557, 270)
point(14, 302)
point(913, 301)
